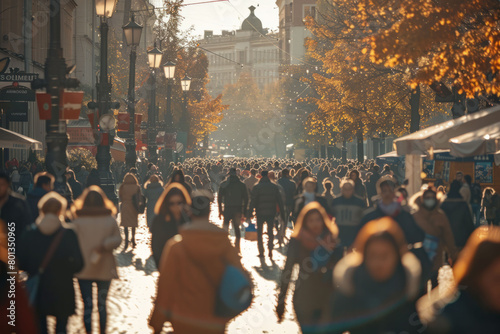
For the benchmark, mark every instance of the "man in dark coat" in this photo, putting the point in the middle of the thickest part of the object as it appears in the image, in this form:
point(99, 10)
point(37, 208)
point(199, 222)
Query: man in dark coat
point(348, 211)
point(13, 207)
point(234, 195)
point(44, 183)
point(289, 187)
point(266, 197)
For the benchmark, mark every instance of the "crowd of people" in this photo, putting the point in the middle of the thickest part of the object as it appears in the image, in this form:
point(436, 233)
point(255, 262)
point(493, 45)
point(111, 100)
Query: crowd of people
point(367, 253)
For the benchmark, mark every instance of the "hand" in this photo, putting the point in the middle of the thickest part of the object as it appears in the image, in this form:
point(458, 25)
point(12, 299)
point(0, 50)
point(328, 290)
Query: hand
point(280, 311)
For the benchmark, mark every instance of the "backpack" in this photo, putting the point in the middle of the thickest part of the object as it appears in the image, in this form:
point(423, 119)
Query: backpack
point(476, 193)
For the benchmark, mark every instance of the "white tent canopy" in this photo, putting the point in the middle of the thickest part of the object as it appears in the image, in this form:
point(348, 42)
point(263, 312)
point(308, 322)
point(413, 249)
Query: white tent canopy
point(438, 136)
point(14, 140)
point(482, 141)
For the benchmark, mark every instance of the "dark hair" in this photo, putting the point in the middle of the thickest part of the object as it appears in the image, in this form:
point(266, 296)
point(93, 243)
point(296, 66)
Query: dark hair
point(264, 173)
point(285, 172)
point(162, 205)
point(454, 192)
point(200, 206)
point(44, 178)
point(5, 176)
point(383, 236)
point(468, 179)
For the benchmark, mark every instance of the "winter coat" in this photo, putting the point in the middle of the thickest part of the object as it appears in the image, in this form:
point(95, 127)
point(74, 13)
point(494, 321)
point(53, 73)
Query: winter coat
point(16, 210)
point(56, 295)
point(300, 202)
point(289, 188)
point(362, 305)
point(313, 289)
point(413, 235)
point(152, 194)
point(192, 264)
point(348, 213)
point(161, 232)
point(491, 207)
point(460, 219)
point(464, 315)
point(128, 213)
point(266, 198)
point(233, 194)
point(33, 197)
point(435, 223)
point(26, 180)
point(359, 189)
point(76, 188)
point(95, 228)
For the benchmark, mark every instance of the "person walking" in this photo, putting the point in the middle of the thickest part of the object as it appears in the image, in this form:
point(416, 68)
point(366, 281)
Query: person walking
point(129, 215)
point(233, 202)
point(312, 247)
point(472, 305)
point(377, 285)
point(170, 210)
point(438, 234)
point(266, 197)
point(44, 183)
point(191, 269)
point(98, 234)
point(56, 293)
point(359, 187)
point(309, 194)
point(348, 211)
point(76, 186)
point(491, 205)
point(458, 214)
point(153, 189)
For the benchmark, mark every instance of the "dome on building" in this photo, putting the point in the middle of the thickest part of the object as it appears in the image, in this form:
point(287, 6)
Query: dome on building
point(252, 22)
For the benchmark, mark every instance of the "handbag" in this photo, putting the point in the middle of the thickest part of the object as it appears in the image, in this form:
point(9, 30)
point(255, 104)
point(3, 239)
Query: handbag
point(33, 282)
point(233, 293)
point(139, 202)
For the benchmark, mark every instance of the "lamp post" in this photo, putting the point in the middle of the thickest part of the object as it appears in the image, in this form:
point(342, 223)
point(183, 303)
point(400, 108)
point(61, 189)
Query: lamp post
point(56, 160)
point(184, 121)
point(169, 69)
point(106, 132)
point(132, 32)
point(154, 58)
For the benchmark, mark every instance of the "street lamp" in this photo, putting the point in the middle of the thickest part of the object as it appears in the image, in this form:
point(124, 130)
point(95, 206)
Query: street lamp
point(184, 122)
point(169, 70)
point(154, 58)
point(132, 32)
point(105, 136)
point(105, 8)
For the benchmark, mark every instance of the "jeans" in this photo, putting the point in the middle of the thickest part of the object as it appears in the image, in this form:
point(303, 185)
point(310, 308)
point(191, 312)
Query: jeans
point(476, 212)
point(61, 323)
point(234, 215)
point(86, 287)
point(270, 232)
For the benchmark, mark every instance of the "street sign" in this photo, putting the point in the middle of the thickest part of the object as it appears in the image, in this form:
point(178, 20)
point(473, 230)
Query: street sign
point(70, 104)
point(16, 111)
point(19, 77)
point(123, 121)
point(44, 105)
point(16, 93)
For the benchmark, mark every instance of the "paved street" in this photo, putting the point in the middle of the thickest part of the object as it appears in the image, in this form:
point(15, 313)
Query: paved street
point(131, 297)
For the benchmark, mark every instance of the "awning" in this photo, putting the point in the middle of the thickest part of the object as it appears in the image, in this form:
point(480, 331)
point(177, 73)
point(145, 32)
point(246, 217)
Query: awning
point(438, 136)
point(14, 140)
point(480, 142)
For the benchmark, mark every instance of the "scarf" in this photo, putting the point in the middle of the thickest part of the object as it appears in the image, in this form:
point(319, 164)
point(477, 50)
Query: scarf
point(391, 210)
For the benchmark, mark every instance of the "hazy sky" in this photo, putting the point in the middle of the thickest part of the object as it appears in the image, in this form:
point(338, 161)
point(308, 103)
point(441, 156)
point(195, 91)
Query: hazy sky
point(223, 16)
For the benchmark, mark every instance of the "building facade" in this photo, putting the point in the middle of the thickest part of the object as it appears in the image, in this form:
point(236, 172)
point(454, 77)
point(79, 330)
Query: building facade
point(252, 49)
point(292, 30)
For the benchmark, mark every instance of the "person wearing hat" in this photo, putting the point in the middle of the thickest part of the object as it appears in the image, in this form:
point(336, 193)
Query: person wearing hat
point(191, 265)
point(234, 196)
point(13, 207)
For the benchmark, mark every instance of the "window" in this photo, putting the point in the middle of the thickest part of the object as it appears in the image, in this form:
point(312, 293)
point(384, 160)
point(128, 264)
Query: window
point(309, 10)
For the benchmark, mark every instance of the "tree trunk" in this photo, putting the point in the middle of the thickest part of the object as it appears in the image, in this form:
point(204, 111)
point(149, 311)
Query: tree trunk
point(415, 106)
point(361, 151)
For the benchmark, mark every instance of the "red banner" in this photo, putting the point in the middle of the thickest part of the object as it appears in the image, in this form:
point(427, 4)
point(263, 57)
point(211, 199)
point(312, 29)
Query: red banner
point(70, 104)
point(123, 121)
point(44, 105)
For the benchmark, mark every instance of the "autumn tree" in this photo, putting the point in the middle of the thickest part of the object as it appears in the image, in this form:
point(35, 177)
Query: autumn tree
point(356, 96)
point(440, 40)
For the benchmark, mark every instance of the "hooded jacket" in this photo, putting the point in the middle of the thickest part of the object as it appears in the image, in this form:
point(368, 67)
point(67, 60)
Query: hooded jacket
point(56, 293)
point(362, 305)
point(435, 223)
point(152, 194)
point(192, 265)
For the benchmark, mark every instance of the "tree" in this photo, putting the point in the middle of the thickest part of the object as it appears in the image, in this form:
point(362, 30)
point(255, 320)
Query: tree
point(356, 96)
point(449, 40)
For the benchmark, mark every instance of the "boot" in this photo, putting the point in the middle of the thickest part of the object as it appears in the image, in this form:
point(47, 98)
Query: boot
point(126, 245)
point(133, 242)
